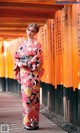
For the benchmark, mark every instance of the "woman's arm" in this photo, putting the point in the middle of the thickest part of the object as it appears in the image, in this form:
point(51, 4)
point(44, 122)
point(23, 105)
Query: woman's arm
point(37, 60)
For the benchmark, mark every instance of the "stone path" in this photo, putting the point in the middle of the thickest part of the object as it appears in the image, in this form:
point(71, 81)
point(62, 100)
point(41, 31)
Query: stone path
point(11, 117)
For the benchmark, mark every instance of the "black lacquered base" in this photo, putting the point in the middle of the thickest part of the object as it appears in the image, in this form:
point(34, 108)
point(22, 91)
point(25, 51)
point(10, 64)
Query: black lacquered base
point(31, 128)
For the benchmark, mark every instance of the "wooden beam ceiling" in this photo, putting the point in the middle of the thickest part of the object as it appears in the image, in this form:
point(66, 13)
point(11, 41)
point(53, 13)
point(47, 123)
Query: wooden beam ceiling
point(16, 15)
point(43, 2)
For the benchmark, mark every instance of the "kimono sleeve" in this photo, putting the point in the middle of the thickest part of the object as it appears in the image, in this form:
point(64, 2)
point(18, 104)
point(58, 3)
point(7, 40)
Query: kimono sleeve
point(16, 67)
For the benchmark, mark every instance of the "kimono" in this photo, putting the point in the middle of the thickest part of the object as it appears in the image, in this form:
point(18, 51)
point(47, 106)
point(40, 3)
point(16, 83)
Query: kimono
point(29, 76)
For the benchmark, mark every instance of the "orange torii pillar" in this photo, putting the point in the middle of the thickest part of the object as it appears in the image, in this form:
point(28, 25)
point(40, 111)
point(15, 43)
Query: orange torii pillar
point(2, 67)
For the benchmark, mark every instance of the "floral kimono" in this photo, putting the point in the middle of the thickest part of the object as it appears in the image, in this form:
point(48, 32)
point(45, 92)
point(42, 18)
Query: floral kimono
point(29, 76)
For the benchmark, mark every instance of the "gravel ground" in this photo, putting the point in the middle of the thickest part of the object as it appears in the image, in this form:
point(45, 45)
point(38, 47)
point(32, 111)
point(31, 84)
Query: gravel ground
point(58, 120)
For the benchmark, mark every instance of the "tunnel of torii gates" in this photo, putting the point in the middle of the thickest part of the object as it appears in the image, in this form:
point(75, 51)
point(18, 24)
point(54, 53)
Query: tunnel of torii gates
point(60, 83)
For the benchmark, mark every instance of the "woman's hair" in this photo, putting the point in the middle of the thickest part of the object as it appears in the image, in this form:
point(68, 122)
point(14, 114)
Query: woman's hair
point(35, 26)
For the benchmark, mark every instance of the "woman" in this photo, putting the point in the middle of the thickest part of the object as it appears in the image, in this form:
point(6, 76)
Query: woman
point(28, 70)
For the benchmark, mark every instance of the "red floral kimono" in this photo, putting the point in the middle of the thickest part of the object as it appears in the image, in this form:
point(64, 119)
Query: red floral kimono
point(29, 77)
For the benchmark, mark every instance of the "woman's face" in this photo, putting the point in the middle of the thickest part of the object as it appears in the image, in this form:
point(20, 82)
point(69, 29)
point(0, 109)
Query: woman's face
point(31, 32)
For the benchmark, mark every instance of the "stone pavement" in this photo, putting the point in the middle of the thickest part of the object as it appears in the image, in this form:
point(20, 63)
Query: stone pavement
point(11, 117)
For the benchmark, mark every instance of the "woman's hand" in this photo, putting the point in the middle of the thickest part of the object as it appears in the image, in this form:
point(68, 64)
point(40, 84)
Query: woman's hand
point(33, 59)
point(21, 64)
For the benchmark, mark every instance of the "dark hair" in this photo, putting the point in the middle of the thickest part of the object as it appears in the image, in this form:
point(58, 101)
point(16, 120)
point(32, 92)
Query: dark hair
point(35, 26)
